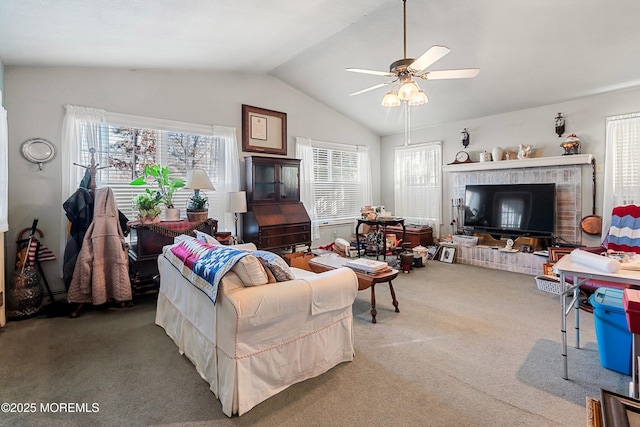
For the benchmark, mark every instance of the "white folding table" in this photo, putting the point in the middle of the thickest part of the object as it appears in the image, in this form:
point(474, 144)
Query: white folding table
point(566, 267)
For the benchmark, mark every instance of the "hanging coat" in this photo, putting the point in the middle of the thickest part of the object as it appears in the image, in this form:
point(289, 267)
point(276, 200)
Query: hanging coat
point(101, 272)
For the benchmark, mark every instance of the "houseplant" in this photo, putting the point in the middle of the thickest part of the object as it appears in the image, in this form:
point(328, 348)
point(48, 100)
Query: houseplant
point(166, 187)
point(147, 205)
point(197, 209)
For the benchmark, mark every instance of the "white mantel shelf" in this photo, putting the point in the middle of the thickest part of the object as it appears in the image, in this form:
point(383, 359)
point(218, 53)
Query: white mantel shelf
point(536, 162)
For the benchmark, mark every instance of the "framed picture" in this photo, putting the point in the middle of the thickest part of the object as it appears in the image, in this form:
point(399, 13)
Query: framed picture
point(556, 253)
point(264, 131)
point(448, 254)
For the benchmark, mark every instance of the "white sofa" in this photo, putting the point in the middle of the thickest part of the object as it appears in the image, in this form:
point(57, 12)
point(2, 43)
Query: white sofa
point(258, 340)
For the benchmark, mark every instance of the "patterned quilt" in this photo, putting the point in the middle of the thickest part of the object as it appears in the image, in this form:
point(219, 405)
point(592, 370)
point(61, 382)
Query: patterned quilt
point(204, 265)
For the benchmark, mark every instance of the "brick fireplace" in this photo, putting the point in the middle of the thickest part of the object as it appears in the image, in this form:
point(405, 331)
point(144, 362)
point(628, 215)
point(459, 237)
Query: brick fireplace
point(568, 180)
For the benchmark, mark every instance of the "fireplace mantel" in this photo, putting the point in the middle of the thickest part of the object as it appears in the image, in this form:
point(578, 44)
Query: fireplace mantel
point(535, 162)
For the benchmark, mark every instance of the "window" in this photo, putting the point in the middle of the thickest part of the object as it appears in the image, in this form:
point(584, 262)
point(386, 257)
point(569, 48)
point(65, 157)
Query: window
point(128, 149)
point(417, 184)
point(335, 180)
point(622, 163)
point(335, 176)
point(123, 144)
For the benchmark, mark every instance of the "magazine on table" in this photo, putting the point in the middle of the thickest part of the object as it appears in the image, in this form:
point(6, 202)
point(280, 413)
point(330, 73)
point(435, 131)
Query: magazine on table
point(368, 265)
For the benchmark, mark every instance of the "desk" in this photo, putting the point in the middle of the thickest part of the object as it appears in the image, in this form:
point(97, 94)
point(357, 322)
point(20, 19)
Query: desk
point(384, 222)
point(324, 263)
point(581, 273)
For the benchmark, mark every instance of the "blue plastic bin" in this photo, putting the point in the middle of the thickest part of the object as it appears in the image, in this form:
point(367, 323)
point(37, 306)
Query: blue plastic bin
point(612, 333)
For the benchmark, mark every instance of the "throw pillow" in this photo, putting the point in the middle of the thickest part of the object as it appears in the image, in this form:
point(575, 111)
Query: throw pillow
point(276, 264)
point(204, 237)
point(250, 271)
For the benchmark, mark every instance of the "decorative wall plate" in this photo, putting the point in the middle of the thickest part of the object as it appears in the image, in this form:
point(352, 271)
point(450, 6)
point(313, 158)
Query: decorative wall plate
point(38, 150)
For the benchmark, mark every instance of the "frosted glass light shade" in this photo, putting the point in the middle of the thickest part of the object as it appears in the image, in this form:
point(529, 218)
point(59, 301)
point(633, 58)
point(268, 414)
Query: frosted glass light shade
point(390, 100)
point(408, 91)
point(419, 99)
point(237, 202)
point(199, 180)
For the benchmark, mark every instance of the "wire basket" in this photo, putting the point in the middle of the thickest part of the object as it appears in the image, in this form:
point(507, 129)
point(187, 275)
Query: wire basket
point(549, 284)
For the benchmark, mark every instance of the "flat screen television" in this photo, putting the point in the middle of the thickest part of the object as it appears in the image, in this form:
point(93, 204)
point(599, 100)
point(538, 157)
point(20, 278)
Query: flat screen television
point(510, 209)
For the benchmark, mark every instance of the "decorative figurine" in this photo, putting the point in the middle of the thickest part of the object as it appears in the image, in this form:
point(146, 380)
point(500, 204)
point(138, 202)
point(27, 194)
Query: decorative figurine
point(524, 151)
point(571, 145)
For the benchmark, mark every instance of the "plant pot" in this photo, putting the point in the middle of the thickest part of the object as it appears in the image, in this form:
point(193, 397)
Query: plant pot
point(172, 214)
point(197, 216)
point(148, 219)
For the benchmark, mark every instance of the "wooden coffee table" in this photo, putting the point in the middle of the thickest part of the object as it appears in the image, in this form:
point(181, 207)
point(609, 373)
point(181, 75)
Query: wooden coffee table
point(330, 262)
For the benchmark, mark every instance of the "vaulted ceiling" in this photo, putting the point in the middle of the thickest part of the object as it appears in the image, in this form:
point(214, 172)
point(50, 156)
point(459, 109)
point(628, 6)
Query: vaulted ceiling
point(530, 53)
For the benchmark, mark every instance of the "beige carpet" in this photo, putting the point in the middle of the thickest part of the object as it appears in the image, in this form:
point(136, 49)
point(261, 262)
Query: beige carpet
point(470, 347)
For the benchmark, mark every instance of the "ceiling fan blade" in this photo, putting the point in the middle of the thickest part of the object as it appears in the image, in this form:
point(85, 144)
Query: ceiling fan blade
point(375, 73)
point(371, 88)
point(466, 73)
point(429, 57)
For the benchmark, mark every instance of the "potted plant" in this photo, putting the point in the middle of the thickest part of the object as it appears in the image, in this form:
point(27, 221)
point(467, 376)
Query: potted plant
point(197, 209)
point(167, 186)
point(148, 207)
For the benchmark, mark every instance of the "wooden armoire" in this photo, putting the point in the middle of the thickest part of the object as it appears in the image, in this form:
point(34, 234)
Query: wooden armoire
point(275, 218)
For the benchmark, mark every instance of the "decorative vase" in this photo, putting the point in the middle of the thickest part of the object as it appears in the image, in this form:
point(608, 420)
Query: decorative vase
point(497, 153)
point(172, 214)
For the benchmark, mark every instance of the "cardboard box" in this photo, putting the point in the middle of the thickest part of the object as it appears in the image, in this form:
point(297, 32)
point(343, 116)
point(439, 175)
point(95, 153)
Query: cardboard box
point(299, 260)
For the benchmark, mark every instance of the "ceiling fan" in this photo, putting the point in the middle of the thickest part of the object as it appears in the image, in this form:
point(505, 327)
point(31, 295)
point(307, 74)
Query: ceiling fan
point(403, 70)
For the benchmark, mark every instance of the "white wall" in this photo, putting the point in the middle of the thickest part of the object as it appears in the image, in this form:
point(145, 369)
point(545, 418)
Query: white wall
point(35, 100)
point(584, 117)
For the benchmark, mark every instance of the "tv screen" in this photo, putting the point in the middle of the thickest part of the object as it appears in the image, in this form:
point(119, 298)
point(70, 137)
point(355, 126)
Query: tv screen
point(511, 209)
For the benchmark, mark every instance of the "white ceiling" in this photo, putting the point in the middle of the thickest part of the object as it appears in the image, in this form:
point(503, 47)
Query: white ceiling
point(530, 53)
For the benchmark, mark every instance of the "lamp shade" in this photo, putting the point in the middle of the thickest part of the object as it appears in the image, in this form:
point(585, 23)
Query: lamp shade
point(199, 180)
point(237, 202)
point(407, 91)
point(390, 100)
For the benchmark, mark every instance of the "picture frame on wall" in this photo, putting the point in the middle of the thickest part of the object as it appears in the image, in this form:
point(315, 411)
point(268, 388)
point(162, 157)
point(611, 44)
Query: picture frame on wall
point(264, 131)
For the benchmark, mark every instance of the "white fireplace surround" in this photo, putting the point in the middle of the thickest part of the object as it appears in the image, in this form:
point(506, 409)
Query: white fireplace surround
point(564, 171)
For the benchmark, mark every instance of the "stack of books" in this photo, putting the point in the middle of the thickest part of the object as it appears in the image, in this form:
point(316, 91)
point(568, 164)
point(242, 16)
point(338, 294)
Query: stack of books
point(369, 266)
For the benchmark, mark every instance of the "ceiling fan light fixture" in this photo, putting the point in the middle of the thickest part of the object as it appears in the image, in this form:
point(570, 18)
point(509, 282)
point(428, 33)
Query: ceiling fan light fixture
point(391, 100)
point(408, 91)
point(419, 99)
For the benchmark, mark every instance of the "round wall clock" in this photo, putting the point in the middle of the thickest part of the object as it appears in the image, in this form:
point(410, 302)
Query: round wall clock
point(38, 150)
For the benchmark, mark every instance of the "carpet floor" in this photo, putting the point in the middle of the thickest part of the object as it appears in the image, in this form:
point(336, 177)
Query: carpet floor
point(470, 347)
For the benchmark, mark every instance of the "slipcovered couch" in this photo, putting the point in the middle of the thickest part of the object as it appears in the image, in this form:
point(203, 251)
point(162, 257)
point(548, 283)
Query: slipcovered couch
point(257, 340)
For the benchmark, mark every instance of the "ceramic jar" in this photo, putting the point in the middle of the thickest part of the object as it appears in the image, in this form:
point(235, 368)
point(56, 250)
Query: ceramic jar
point(497, 154)
point(485, 157)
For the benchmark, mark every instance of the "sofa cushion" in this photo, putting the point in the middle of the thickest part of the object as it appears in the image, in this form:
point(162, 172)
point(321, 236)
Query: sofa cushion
point(281, 271)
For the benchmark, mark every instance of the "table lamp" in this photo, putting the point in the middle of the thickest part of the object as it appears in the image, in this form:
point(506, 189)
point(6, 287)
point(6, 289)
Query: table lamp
point(237, 204)
point(197, 179)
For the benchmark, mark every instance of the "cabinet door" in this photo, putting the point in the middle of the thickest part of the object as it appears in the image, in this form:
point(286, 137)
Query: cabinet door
point(289, 182)
point(264, 185)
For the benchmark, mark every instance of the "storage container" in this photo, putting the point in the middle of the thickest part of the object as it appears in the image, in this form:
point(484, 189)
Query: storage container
point(612, 334)
point(466, 241)
point(631, 300)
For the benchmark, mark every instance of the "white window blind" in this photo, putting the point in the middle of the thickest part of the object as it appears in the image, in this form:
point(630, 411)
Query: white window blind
point(126, 149)
point(622, 164)
point(336, 181)
point(417, 184)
